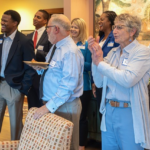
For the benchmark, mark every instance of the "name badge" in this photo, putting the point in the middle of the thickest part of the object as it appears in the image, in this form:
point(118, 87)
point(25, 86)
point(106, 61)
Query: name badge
point(52, 63)
point(40, 47)
point(81, 47)
point(110, 44)
point(125, 62)
point(1, 41)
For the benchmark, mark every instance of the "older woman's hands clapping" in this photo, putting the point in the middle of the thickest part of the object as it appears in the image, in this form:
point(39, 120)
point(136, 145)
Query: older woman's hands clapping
point(97, 53)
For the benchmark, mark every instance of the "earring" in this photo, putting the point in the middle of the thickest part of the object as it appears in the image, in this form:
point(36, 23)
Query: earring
point(130, 40)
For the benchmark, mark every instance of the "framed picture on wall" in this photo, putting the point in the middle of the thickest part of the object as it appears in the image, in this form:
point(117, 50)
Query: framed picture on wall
point(141, 8)
point(25, 32)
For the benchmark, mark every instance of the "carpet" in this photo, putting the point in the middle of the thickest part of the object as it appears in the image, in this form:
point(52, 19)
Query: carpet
point(25, 110)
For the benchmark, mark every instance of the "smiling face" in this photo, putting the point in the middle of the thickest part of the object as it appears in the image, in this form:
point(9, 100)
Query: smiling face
point(38, 20)
point(74, 30)
point(104, 22)
point(8, 26)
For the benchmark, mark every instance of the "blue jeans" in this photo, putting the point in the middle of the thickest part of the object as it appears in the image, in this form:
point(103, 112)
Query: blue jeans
point(119, 126)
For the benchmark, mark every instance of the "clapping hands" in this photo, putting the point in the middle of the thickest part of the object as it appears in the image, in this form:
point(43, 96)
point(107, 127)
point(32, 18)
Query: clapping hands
point(97, 53)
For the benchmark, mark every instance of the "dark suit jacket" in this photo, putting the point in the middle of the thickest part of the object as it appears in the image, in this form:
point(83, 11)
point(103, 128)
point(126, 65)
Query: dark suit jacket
point(43, 41)
point(106, 47)
point(17, 74)
point(40, 55)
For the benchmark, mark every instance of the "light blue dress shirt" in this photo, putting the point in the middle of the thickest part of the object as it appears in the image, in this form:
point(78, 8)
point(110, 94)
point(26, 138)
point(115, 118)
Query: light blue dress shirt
point(5, 51)
point(135, 77)
point(63, 81)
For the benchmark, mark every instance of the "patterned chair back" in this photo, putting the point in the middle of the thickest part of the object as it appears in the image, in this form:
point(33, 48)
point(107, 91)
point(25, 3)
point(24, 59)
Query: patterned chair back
point(50, 132)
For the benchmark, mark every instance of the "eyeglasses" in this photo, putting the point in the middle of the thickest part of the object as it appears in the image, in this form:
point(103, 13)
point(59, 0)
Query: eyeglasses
point(49, 26)
point(118, 27)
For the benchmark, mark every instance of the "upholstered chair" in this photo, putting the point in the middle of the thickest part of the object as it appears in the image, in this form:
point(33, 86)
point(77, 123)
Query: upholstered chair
point(50, 132)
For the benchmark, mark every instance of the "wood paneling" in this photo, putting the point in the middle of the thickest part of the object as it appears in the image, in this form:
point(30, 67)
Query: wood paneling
point(55, 11)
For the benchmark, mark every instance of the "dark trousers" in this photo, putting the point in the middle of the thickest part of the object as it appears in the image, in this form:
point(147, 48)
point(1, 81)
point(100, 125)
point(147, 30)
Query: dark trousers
point(33, 95)
point(98, 98)
point(83, 124)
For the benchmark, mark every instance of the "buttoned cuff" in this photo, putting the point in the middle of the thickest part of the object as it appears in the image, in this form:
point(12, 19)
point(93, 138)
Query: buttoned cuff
point(51, 106)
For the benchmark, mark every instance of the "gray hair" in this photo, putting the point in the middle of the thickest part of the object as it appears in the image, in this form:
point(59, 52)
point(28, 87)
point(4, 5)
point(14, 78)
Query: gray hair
point(131, 22)
point(62, 21)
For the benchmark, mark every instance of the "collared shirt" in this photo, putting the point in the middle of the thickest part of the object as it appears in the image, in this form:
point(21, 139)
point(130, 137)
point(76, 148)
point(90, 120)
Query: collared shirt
point(115, 91)
point(5, 51)
point(101, 43)
point(135, 76)
point(40, 32)
point(63, 81)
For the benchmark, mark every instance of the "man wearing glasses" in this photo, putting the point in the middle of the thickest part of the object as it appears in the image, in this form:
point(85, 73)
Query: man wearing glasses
point(62, 83)
point(41, 46)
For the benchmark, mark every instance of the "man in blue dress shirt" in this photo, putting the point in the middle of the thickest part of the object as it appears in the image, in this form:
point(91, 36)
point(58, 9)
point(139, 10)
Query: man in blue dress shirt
point(62, 82)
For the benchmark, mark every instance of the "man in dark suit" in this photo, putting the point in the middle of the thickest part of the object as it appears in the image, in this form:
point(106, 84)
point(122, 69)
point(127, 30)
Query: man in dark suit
point(42, 46)
point(15, 76)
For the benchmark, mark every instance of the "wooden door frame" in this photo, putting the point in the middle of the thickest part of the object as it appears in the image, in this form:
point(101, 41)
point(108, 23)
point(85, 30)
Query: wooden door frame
point(55, 11)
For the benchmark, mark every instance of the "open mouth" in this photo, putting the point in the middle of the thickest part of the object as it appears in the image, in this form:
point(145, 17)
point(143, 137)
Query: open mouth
point(3, 27)
point(100, 26)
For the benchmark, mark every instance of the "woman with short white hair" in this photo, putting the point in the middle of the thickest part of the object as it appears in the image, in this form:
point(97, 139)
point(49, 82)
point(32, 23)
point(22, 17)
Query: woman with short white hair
point(124, 76)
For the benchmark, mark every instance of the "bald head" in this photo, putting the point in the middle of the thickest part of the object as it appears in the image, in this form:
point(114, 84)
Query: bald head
point(62, 21)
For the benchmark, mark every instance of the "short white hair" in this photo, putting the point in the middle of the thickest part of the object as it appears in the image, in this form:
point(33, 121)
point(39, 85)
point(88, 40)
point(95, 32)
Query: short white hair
point(62, 21)
point(131, 22)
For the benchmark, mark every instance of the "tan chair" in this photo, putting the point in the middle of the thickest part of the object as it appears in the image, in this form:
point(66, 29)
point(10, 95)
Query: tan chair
point(50, 132)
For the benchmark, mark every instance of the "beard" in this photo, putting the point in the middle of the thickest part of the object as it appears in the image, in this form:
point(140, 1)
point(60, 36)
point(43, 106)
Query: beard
point(52, 38)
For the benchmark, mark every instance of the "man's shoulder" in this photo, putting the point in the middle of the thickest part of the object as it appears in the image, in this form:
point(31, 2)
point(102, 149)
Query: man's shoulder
point(21, 37)
point(69, 48)
point(30, 35)
point(45, 33)
point(70, 45)
point(44, 37)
